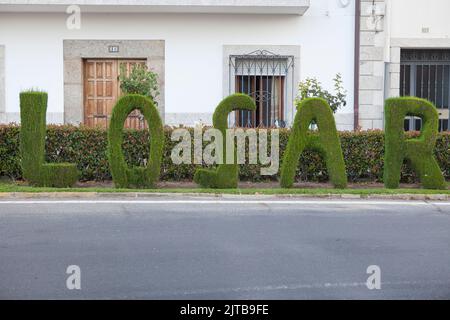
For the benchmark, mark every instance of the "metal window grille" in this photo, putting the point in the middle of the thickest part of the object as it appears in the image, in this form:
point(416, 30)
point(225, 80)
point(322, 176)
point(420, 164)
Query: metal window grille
point(266, 77)
point(426, 74)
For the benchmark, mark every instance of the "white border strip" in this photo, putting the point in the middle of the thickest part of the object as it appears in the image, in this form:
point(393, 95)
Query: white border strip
point(226, 202)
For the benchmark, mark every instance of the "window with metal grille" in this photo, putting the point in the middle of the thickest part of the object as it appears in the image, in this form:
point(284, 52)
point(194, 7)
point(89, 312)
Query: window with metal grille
point(262, 75)
point(426, 74)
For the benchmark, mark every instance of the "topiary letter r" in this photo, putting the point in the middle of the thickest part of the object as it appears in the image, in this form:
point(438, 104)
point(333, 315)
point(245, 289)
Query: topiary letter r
point(418, 151)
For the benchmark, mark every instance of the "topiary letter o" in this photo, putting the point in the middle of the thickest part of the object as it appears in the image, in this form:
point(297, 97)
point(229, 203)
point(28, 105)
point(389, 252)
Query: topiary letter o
point(326, 142)
point(418, 151)
point(33, 109)
point(226, 175)
point(140, 177)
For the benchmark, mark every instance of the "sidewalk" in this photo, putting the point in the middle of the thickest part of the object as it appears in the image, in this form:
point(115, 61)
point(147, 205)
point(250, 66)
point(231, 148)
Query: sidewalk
point(5, 196)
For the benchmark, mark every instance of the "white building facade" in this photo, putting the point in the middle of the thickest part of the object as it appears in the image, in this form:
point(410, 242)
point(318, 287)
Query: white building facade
point(404, 51)
point(205, 50)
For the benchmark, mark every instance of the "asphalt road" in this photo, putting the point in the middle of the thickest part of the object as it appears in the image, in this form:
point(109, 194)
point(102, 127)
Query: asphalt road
point(224, 249)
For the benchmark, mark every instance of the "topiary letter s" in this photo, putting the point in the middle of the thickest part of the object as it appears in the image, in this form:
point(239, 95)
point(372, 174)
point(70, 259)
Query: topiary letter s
point(418, 151)
point(226, 175)
point(140, 177)
point(326, 142)
point(33, 109)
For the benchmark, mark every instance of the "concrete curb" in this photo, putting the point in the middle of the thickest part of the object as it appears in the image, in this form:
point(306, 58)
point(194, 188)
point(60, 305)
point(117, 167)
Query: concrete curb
point(141, 195)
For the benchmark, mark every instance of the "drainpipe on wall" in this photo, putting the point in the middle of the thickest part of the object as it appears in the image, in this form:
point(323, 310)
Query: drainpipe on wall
point(357, 65)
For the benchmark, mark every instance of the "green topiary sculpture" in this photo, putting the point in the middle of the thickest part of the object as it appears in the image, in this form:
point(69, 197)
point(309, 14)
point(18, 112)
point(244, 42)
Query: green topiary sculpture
point(327, 142)
point(226, 176)
point(418, 151)
point(33, 109)
point(139, 177)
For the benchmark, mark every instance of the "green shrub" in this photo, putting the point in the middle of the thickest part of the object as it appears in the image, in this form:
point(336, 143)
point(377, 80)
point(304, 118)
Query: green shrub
point(87, 147)
point(418, 151)
point(123, 175)
point(326, 142)
point(33, 109)
point(140, 80)
point(226, 175)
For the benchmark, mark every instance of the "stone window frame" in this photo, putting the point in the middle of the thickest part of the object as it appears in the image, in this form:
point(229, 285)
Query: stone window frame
point(75, 51)
point(284, 50)
point(397, 44)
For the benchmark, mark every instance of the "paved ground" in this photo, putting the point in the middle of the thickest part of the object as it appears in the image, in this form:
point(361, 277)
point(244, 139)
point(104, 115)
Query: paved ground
point(204, 248)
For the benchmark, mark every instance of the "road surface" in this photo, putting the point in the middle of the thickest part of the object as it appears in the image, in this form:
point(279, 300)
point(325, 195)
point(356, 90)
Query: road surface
point(224, 248)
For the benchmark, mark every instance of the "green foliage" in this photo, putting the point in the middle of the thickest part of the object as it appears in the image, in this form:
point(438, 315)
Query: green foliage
point(418, 151)
point(58, 175)
point(226, 175)
point(326, 142)
point(123, 175)
point(311, 88)
point(141, 81)
point(87, 147)
point(33, 108)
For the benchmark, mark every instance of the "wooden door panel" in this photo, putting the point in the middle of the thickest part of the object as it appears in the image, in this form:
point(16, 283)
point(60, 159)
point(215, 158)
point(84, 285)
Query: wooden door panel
point(99, 69)
point(90, 89)
point(109, 89)
point(102, 90)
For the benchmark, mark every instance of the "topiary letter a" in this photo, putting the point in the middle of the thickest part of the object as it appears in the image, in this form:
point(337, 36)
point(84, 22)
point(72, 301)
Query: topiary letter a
point(418, 151)
point(139, 177)
point(327, 142)
point(226, 175)
point(33, 109)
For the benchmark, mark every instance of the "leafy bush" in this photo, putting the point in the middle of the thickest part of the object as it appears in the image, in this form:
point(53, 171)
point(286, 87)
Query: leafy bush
point(326, 142)
point(87, 147)
point(312, 88)
point(140, 80)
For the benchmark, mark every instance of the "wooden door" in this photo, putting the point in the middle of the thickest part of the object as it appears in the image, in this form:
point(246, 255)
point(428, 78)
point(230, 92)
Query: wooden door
point(100, 87)
point(102, 90)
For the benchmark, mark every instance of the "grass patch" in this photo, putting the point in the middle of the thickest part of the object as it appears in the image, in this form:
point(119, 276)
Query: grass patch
point(14, 187)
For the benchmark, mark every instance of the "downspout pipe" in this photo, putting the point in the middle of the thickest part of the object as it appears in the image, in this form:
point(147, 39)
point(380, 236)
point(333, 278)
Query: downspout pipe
point(357, 63)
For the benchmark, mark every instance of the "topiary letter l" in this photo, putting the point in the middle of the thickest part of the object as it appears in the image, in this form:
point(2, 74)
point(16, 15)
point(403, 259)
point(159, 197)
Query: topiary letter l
point(326, 142)
point(33, 109)
point(419, 151)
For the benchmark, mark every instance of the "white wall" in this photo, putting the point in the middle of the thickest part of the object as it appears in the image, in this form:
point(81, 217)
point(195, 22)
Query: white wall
point(408, 17)
point(34, 50)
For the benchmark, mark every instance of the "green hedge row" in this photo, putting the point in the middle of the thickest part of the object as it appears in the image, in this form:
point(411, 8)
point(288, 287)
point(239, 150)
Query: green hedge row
point(363, 155)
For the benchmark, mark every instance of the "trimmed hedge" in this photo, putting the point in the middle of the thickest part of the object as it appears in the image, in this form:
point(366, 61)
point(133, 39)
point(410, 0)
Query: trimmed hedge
point(418, 151)
point(58, 175)
point(226, 176)
point(363, 155)
point(325, 142)
point(135, 176)
point(33, 108)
